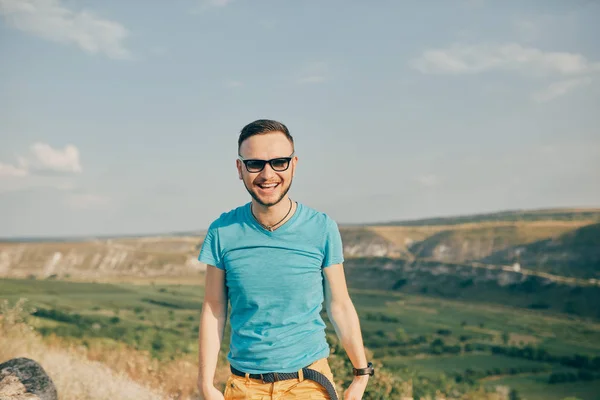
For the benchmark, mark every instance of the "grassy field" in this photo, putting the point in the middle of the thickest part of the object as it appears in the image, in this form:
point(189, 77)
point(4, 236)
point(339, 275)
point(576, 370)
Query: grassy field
point(432, 366)
point(422, 335)
point(162, 319)
point(535, 387)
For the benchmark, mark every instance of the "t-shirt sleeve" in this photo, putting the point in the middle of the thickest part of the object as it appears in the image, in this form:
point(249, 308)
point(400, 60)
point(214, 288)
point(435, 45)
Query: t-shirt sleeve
point(210, 253)
point(333, 249)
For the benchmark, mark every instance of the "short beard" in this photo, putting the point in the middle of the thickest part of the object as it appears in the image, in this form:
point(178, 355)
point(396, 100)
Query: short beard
point(259, 201)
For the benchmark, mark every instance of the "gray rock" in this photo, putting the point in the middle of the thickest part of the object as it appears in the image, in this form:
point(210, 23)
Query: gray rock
point(25, 379)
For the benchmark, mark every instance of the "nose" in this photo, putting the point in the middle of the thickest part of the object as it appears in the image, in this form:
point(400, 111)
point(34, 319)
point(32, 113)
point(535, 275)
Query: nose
point(267, 172)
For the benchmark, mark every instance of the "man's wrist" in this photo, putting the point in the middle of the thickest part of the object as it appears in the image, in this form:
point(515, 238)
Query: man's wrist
point(204, 385)
point(368, 370)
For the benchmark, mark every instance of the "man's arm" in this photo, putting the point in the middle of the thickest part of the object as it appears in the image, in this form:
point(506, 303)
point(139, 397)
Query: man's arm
point(212, 325)
point(342, 315)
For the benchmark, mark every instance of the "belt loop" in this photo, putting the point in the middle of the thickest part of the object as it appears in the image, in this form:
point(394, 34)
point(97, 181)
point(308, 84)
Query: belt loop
point(247, 379)
point(300, 375)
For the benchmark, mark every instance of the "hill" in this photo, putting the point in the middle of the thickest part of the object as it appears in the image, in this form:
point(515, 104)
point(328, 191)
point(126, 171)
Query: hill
point(557, 214)
point(474, 284)
point(360, 241)
point(471, 260)
point(575, 253)
point(560, 242)
point(152, 257)
point(475, 241)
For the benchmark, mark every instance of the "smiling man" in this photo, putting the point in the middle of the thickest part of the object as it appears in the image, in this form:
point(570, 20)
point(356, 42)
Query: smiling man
point(275, 261)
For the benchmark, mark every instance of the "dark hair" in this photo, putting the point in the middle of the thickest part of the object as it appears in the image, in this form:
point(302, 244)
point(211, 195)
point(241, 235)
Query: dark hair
point(261, 126)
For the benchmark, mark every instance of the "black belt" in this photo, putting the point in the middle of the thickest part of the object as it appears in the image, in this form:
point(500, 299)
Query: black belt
point(282, 376)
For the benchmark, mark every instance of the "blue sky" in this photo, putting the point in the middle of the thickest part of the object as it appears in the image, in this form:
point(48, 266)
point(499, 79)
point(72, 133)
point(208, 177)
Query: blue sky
point(121, 118)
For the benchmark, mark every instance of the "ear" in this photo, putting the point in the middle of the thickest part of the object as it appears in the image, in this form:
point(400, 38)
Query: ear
point(294, 162)
point(238, 165)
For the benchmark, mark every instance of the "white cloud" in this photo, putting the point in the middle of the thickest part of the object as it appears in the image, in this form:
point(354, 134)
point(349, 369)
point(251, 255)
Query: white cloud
point(11, 170)
point(560, 88)
point(51, 20)
point(44, 159)
point(573, 69)
point(87, 201)
point(464, 59)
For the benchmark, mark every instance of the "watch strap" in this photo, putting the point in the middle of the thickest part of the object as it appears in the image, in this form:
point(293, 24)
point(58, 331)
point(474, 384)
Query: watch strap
point(364, 371)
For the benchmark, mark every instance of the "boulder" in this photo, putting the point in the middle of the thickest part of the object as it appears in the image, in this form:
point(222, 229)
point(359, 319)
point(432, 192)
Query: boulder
point(25, 379)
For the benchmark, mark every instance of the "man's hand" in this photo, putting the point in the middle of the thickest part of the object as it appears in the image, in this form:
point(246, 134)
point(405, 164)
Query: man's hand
point(357, 388)
point(211, 393)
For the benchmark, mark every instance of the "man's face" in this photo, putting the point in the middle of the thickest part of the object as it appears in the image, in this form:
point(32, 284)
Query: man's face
point(268, 187)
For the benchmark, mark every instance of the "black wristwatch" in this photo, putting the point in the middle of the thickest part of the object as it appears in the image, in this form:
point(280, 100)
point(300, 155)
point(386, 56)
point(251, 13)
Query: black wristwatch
point(364, 371)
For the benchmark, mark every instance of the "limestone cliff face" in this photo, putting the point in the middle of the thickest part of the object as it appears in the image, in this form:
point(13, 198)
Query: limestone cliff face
point(475, 242)
point(569, 248)
point(575, 253)
point(362, 242)
point(144, 257)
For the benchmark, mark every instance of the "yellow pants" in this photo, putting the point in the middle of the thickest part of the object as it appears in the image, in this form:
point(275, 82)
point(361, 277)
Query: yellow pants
point(239, 387)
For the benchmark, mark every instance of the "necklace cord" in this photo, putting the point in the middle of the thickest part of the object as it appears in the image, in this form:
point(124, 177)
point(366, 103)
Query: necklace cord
point(270, 227)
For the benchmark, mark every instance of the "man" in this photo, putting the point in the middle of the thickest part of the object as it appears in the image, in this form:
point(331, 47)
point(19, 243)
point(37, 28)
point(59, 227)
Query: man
point(275, 260)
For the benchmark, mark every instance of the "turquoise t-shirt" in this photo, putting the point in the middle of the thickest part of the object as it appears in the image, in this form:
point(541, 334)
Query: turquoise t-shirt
point(275, 284)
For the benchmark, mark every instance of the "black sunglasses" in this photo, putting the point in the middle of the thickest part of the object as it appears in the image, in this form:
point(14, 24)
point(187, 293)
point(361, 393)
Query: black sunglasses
point(279, 164)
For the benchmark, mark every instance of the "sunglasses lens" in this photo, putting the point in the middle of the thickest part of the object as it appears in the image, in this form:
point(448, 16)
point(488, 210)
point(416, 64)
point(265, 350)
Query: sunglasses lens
point(280, 164)
point(255, 165)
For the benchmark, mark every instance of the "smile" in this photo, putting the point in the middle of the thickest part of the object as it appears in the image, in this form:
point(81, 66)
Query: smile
point(268, 186)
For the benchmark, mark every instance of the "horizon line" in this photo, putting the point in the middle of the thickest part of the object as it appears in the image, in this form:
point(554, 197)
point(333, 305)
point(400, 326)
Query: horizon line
point(200, 232)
